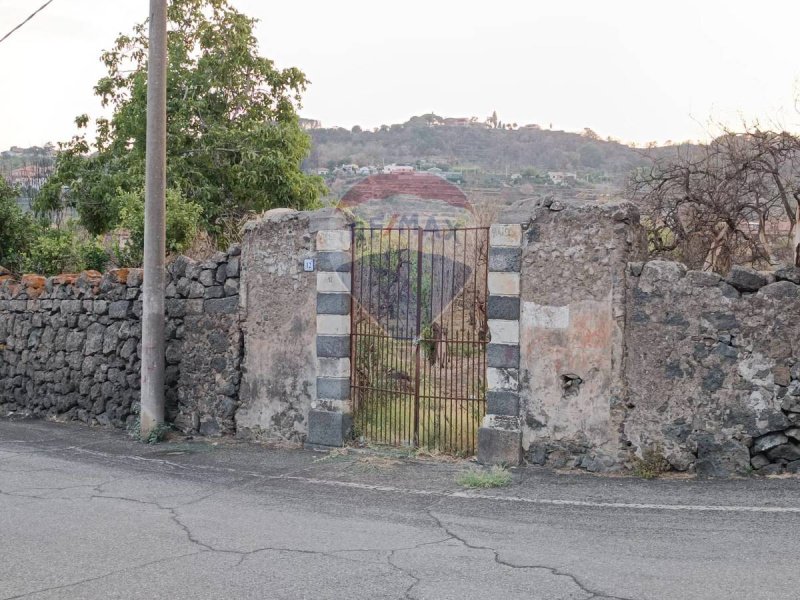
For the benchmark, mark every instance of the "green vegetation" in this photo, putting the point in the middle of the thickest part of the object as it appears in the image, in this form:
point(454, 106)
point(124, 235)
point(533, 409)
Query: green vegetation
point(17, 230)
point(183, 222)
point(234, 141)
point(28, 244)
point(156, 435)
point(494, 477)
point(651, 465)
point(64, 250)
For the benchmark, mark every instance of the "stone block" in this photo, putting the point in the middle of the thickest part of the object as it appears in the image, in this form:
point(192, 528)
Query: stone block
point(769, 441)
point(207, 277)
point(780, 290)
point(338, 262)
point(333, 388)
point(328, 218)
point(788, 274)
point(502, 379)
point(502, 403)
point(721, 458)
point(232, 268)
point(505, 235)
point(333, 240)
point(120, 309)
point(499, 446)
point(231, 286)
point(504, 284)
point(505, 259)
point(214, 291)
point(333, 304)
point(333, 367)
point(327, 428)
point(504, 332)
point(333, 346)
point(503, 307)
point(333, 282)
point(221, 305)
point(502, 355)
point(745, 279)
point(333, 324)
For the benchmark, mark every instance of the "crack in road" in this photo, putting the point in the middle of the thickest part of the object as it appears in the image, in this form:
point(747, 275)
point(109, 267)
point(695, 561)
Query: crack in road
point(99, 577)
point(592, 594)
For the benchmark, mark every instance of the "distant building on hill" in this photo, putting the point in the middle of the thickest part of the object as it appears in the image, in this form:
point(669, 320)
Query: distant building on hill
point(398, 169)
point(30, 177)
point(562, 177)
point(458, 121)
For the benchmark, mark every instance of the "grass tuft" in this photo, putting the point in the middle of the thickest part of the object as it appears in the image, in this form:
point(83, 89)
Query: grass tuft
point(491, 478)
point(651, 465)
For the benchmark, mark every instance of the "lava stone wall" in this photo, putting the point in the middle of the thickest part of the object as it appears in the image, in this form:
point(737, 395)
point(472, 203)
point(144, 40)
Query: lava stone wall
point(713, 368)
point(70, 345)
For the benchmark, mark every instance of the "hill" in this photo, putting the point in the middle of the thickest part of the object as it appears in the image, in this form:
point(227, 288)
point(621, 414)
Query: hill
point(429, 140)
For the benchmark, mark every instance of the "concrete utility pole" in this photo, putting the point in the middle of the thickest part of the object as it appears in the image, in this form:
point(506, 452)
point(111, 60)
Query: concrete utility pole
point(152, 412)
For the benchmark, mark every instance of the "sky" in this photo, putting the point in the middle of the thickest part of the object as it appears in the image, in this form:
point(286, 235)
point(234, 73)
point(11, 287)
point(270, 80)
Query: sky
point(626, 69)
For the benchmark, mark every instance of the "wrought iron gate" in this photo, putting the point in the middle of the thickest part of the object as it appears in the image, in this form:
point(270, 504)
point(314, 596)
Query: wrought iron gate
point(418, 336)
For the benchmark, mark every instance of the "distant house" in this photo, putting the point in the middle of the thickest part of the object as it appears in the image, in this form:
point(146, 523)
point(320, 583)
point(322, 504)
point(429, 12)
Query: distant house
point(398, 169)
point(30, 177)
point(323, 171)
point(350, 169)
point(533, 126)
point(457, 121)
point(562, 177)
point(364, 171)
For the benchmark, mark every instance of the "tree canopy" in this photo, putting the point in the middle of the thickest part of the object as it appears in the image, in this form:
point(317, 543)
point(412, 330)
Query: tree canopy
point(716, 204)
point(234, 143)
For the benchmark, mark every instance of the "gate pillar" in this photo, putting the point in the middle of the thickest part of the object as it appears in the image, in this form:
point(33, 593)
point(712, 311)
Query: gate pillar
point(330, 420)
point(500, 434)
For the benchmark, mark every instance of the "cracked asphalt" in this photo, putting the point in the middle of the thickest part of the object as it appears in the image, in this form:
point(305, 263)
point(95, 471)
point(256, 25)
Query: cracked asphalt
point(87, 513)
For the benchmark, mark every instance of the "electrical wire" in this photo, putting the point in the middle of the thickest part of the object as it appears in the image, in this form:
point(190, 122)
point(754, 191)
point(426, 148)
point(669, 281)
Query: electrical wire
point(33, 14)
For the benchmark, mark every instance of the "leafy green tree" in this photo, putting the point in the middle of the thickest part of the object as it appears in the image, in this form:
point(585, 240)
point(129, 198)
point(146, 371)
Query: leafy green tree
point(233, 140)
point(183, 220)
point(17, 230)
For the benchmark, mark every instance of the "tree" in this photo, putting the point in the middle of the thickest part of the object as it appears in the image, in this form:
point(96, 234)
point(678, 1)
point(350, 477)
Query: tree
point(234, 143)
point(589, 133)
point(712, 204)
point(17, 230)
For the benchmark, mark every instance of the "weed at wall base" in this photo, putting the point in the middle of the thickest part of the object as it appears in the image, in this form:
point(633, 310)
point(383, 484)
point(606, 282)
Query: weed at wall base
point(491, 478)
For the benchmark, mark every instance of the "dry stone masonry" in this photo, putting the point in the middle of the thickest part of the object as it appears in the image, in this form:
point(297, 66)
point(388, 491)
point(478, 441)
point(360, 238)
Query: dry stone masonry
point(71, 345)
point(713, 368)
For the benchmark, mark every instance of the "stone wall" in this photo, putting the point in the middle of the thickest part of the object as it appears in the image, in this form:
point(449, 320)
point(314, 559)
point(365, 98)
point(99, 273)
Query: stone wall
point(573, 280)
point(279, 327)
point(713, 368)
point(71, 345)
point(595, 357)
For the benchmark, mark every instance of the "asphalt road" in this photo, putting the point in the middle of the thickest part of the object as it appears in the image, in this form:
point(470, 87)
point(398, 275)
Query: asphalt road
point(87, 513)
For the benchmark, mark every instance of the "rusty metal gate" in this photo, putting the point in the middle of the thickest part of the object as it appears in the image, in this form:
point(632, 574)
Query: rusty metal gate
point(418, 336)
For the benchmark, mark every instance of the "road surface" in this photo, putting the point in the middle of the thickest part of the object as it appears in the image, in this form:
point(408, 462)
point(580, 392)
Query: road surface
point(87, 513)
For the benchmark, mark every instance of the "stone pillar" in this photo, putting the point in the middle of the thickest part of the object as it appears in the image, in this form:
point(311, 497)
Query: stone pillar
point(329, 420)
point(500, 435)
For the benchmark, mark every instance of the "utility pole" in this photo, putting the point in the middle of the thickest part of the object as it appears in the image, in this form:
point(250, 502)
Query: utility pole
point(152, 409)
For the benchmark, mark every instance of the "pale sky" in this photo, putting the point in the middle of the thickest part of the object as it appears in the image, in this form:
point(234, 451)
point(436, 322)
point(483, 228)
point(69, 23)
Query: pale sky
point(627, 69)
